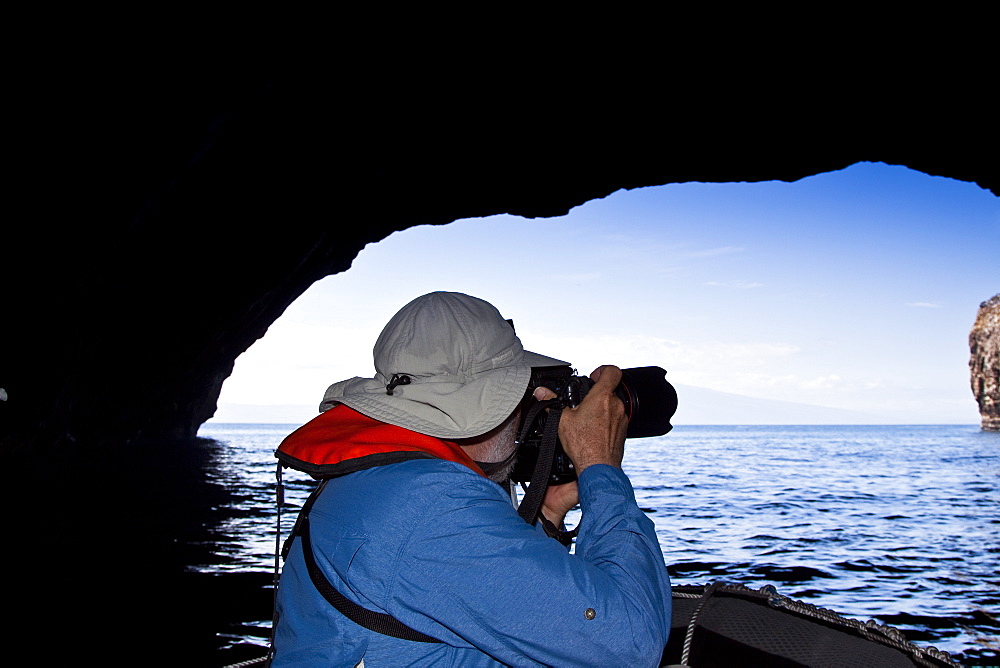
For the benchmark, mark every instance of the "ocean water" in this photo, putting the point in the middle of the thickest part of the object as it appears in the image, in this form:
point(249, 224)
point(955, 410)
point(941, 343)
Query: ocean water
point(895, 523)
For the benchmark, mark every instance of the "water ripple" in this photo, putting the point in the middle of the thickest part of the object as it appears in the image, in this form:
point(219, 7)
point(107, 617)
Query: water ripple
point(900, 524)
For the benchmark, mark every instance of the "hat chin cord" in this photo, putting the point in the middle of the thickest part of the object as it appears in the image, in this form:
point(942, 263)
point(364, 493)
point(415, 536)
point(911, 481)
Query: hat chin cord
point(397, 379)
point(489, 468)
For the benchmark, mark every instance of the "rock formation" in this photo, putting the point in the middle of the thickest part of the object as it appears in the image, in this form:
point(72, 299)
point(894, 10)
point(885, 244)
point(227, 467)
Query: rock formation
point(984, 362)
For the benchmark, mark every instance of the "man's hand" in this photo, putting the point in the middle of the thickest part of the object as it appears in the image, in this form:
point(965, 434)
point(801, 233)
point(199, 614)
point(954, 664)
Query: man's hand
point(591, 433)
point(594, 431)
point(559, 500)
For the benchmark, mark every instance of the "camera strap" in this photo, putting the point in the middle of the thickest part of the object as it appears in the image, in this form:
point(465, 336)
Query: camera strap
point(532, 501)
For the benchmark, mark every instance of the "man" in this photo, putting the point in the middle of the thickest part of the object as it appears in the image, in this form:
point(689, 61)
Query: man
point(410, 555)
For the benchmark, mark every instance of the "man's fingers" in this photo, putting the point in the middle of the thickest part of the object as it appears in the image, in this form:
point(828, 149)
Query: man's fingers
point(606, 377)
point(542, 393)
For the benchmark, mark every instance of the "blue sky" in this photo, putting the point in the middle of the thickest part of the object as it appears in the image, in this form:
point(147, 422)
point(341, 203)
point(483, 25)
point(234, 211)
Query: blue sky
point(853, 290)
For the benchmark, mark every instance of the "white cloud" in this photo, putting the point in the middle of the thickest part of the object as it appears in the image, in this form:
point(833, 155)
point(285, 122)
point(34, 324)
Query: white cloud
point(924, 304)
point(296, 362)
point(738, 284)
point(577, 278)
point(714, 252)
point(823, 382)
point(710, 364)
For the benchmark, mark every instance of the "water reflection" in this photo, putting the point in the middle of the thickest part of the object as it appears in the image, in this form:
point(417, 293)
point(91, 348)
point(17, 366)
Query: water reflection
point(899, 524)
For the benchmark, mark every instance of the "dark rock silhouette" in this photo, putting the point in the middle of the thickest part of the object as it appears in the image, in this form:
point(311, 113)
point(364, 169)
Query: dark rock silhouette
point(984, 362)
point(172, 220)
point(162, 217)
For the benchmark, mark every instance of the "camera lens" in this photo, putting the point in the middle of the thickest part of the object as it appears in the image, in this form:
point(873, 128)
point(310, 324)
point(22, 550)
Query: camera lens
point(650, 401)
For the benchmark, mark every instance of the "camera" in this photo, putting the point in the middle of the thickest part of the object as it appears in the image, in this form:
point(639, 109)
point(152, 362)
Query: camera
point(650, 401)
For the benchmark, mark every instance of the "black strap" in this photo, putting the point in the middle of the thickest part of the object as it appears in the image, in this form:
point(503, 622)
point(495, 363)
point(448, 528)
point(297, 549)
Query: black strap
point(552, 531)
point(371, 620)
point(532, 501)
point(303, 514)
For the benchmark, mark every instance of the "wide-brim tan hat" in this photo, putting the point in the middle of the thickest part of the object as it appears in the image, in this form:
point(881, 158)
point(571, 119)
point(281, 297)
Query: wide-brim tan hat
point(459, 369)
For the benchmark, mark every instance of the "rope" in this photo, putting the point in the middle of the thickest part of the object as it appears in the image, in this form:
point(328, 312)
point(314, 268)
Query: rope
point(279, 498)
point(871, 630)
point(689, 636)
point(251, 662)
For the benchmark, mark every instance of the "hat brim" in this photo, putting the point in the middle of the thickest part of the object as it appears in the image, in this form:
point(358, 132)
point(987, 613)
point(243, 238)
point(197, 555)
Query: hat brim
point(438, 406)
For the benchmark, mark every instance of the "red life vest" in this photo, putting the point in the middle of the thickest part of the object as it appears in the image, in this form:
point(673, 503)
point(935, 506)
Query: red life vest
point(342, 441)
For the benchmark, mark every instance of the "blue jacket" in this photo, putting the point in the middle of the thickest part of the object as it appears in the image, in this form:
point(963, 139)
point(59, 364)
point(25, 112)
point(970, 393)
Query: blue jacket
point(442, 549)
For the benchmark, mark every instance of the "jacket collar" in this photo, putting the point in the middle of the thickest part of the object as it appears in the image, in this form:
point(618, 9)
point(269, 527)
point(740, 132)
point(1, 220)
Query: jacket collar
point(342, 441)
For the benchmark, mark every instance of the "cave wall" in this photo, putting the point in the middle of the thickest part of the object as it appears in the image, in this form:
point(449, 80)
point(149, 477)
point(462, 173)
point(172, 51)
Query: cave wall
point(173, 218)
